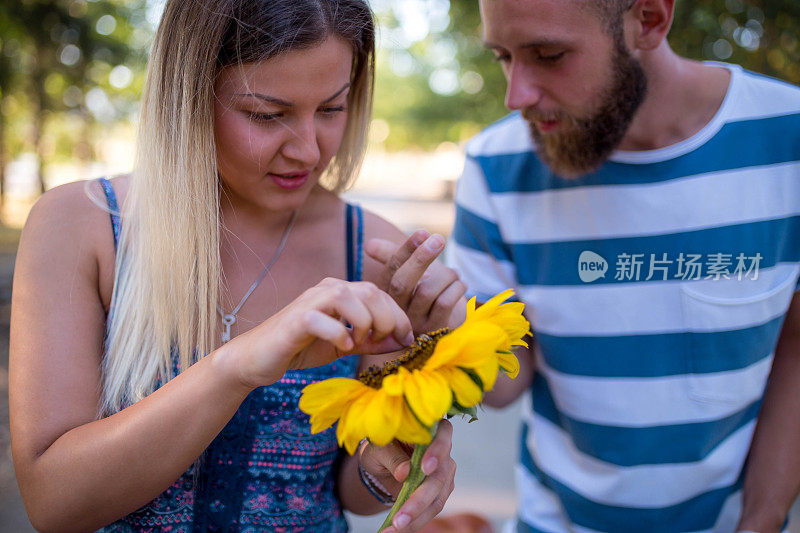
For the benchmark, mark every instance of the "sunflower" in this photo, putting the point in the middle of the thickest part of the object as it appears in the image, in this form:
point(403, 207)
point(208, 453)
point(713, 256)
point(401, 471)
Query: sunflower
point(443, 372)
point(362, 411)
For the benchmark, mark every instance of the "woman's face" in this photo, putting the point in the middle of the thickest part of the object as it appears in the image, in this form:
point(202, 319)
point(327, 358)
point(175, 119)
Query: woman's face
point(278, 123)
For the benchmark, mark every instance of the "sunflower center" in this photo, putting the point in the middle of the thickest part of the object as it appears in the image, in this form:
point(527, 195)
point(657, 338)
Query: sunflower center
point(413, 357)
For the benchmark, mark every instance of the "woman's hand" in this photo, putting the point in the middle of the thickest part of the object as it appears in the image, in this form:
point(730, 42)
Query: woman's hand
point(312, 331)
point(429, 292)
point(390, 466)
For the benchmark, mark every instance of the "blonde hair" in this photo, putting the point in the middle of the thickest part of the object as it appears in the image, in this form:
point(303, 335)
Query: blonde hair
point(167, 273)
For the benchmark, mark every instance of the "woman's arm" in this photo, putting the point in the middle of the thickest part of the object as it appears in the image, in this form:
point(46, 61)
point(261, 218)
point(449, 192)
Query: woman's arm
point(79, 473)
point(76, 472)
point(432, 296)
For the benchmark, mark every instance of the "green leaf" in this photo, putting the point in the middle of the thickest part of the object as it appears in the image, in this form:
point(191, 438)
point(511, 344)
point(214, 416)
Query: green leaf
point(471, 373)
point(457, 409)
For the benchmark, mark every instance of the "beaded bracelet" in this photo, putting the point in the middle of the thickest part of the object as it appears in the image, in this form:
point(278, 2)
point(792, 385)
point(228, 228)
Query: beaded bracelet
point(373, 486)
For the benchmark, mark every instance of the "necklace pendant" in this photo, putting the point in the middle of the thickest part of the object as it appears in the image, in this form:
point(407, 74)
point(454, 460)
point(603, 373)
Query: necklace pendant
point(228, 318)
point(227, 321)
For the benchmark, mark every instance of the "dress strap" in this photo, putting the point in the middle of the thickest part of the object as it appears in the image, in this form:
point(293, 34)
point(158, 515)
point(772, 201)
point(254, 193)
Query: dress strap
point(354, 234)
point(113, 208)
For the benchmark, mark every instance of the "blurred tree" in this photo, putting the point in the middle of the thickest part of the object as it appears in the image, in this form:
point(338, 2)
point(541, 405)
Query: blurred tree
point(62, 62)
point(761, 35)
point(67, 64)
point(9, 30)
point(438, 83)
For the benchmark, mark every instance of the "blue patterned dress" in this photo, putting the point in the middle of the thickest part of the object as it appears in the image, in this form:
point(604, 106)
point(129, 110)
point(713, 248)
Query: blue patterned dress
point(265, 471)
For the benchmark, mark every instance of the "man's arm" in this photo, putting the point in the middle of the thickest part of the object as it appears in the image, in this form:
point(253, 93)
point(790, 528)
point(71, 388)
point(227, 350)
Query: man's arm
point(772, 480)
point(506, 390)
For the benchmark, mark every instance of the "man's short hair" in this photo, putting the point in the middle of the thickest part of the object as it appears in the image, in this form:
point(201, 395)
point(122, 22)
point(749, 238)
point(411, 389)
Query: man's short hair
point(610, 12)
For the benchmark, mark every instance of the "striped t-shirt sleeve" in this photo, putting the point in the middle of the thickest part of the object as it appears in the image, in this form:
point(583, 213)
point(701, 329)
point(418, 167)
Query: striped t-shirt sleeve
point(477, 250)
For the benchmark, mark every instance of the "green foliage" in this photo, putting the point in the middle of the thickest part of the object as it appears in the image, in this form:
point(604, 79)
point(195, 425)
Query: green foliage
point(417, 115)
point(65, 64)
point(761, 35)
point(60, 59)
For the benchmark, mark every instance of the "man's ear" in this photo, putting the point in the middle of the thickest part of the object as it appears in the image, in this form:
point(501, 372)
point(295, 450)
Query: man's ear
point(652, 20)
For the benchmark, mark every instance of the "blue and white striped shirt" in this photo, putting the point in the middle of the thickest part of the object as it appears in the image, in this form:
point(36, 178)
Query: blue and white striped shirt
point(656, 287)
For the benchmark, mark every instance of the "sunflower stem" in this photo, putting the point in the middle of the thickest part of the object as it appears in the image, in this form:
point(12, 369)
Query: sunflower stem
point(412, 482)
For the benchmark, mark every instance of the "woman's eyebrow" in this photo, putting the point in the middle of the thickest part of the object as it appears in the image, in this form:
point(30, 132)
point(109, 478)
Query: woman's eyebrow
point(340, 91)
point(284, 103)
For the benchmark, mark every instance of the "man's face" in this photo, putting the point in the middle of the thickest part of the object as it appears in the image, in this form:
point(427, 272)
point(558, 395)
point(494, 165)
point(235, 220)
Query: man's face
point(574, 81)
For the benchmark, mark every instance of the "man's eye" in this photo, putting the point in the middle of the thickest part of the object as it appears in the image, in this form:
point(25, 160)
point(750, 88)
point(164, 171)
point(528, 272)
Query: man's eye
point(502, 58)
point(552, 58)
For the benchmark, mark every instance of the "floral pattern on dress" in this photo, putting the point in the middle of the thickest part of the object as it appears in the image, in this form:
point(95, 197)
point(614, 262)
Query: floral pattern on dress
point(264, 471)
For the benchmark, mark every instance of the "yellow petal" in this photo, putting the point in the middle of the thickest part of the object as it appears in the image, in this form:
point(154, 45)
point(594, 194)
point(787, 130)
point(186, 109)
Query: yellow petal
point(393, 383)
point(410, 430)
point(513, 323)
point(487, 372)
point(428, 395)
point(489, 307)
point(381, 417)
point(326, 400)
point(466, 391)
point(509, 363)
point(471, 304)
point(350, 430)
point(467, 346)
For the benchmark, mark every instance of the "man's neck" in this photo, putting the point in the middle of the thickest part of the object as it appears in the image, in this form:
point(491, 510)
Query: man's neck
point(682, 98)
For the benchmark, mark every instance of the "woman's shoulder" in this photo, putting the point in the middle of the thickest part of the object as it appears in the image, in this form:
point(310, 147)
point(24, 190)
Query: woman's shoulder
point(375, 226)
point(74, 209)
point(71, 225)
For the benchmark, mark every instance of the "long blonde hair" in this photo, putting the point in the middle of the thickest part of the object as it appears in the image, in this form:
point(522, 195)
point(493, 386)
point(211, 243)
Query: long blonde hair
point(167, 273)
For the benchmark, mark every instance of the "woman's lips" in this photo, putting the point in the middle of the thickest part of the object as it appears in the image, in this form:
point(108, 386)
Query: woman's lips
point(290, 181)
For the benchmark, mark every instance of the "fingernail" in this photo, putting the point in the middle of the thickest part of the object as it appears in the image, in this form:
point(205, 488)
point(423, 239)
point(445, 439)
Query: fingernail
point(434, 243)
point(429, 465)
point(401, 520)
point(409, 340)
point(419, 237)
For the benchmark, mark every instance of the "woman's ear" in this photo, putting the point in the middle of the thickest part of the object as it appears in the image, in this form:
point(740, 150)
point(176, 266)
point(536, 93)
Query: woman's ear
point(652, 20)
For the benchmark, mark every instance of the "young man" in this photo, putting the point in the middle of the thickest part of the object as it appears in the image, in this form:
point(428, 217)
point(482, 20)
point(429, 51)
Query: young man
point(645, 208)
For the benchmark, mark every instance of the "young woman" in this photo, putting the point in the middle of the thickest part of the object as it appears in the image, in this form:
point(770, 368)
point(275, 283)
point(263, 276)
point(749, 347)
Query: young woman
point(232, 243)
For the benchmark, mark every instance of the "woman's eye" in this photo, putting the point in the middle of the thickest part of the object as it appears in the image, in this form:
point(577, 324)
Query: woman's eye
point(330, 111)
point(502, 58)
point(263, 117)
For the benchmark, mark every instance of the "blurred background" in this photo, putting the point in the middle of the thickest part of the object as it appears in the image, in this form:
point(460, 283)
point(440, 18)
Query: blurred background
point(71, 72)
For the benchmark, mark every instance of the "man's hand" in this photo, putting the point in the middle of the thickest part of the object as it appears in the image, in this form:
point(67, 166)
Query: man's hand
point(772, 478)
point(429, 292)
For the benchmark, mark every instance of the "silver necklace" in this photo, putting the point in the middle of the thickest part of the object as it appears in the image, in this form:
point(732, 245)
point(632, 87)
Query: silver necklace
point(228, 319)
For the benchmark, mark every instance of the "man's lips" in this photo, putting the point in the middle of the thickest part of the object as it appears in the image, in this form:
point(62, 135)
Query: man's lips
point(546, 125)
point(543, 121)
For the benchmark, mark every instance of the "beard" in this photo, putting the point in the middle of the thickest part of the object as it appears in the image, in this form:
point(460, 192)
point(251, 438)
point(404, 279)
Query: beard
point(583, 144)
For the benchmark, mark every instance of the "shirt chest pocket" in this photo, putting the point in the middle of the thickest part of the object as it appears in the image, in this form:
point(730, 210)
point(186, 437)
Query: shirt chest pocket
point(732, 327)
